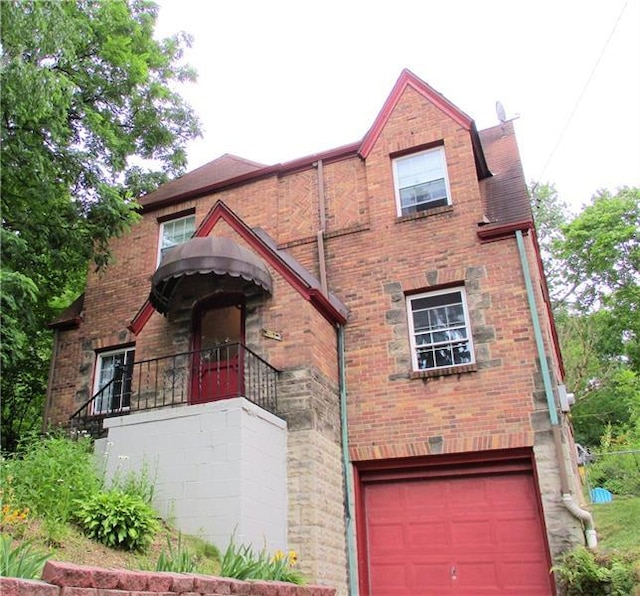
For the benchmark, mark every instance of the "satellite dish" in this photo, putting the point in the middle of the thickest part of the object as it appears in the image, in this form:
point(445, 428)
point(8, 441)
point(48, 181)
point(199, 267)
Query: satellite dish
point(502, 116)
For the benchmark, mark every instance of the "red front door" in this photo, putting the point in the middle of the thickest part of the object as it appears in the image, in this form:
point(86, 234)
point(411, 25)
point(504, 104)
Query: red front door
point(217, 360)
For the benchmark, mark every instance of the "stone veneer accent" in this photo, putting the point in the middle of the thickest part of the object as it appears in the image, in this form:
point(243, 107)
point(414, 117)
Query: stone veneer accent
point(309, 402)
point(79, 580)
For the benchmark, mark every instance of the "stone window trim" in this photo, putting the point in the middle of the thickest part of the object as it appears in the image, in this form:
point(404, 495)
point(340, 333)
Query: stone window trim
point(421, 182)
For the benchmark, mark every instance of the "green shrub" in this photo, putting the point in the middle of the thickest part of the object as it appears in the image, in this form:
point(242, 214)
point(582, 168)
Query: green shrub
point(241, 562)
point(581, 572)
point(117, 520)
point(20, 561)
point(617, 472)
point(47, 474)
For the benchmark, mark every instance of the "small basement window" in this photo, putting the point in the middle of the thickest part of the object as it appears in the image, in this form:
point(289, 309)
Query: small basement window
point(440, 332)
point(112, 385)
point(421, 181)
point(174, 232)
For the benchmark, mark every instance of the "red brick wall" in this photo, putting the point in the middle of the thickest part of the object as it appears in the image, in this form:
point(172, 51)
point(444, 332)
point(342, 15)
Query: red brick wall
point(373, 258)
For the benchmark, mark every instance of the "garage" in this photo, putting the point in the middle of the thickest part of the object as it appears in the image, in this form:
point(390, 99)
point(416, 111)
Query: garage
point(464, 530)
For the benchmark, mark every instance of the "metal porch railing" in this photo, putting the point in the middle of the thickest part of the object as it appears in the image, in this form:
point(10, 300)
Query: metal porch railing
point(220, 372)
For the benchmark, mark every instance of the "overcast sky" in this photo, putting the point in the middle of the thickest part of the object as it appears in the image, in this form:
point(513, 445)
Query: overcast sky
point(281, 79)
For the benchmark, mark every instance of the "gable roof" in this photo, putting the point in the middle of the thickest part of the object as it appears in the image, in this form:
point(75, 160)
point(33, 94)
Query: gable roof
point(230, 169)
point(408, 79)
point(225, 167)
point(329, 306)
point(505, 193)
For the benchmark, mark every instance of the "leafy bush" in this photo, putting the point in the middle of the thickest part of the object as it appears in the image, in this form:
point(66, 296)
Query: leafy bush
point(580, 572)
point(117, 520)
point(240, 562)
point(20, 561)
point(617, 472)
point(47, 474)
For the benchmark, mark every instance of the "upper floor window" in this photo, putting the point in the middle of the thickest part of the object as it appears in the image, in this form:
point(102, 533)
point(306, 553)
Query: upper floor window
point(421, 181)
point(174, 232)
point(440, 330)
point(113, 381)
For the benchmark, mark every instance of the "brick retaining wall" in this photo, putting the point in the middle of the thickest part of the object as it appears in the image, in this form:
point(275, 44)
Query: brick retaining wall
point(67, 579)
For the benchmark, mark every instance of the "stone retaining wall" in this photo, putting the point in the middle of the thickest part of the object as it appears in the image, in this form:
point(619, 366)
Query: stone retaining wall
point(67, 579)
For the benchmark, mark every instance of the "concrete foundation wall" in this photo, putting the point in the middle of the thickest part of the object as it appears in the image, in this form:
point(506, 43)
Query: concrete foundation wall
point(219, 468)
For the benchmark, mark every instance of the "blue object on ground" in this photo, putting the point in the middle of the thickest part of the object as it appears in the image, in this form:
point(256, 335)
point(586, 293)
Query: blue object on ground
point(600, 495)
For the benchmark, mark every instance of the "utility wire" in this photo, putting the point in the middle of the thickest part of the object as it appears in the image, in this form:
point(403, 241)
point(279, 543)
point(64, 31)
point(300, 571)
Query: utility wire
point(584, 89)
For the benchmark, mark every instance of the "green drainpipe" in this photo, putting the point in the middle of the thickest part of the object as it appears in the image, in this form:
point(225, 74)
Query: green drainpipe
point(346, 471)
point(567, 498)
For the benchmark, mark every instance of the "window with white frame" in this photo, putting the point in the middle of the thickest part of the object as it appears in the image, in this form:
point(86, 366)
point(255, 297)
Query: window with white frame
point(112, 385)
point(174, 232)
point(440, 332)
point(421, 181)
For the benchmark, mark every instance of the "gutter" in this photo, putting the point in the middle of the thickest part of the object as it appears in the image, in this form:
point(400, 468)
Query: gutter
point(352, 574)
point(567, 498)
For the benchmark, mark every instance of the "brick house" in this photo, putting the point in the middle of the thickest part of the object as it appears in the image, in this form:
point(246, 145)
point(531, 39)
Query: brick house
point(350, 355)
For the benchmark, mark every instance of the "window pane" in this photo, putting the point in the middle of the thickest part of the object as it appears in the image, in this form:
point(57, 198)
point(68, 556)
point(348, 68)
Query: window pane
point(421, 182)
point(443, 357)
point(462, 354)
point(177, 232)
point(440, 330)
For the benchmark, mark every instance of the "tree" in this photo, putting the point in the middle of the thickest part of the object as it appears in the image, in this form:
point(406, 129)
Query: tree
point(89, 121)
point(592, 265)
point(601, 250)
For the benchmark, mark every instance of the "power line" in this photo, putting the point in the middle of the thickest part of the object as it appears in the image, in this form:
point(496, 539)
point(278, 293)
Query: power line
point(584, 89)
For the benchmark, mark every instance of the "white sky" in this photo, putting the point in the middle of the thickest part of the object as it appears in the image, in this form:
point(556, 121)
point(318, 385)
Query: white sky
point(281, 79)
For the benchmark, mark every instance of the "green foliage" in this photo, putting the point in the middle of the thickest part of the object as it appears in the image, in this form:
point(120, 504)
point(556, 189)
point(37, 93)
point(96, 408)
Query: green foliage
point(592, 262)
point(241, 562)
point(117, 520)
point(609, 404)
point(140, 484)
point(616, 466)
point(580, 571)
point(178, 559)
point(47, 474)
point(89, 121)
point(601, 250)
point(20, 560)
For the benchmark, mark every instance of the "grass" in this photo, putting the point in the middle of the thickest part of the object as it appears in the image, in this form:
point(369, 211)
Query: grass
point(618, 525)
point(70, 544)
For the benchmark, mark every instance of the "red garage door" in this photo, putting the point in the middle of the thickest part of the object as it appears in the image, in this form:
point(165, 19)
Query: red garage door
point(475, 534)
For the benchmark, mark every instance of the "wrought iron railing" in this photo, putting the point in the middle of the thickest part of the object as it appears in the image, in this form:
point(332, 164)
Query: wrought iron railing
point(220, 372)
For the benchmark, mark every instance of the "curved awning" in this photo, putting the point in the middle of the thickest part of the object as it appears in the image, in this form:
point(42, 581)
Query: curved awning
point(210, 255)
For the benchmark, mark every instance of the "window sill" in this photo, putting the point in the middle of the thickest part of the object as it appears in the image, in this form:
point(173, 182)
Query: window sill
point(443, 372)
point(423, 214)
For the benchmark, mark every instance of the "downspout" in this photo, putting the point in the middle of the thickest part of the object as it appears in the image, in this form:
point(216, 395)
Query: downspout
point(348, 480)
point(323, 224)
point(567, 498)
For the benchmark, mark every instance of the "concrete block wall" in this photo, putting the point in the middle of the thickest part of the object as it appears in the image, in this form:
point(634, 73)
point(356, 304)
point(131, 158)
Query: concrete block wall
point(220, 468)
point(67, 579)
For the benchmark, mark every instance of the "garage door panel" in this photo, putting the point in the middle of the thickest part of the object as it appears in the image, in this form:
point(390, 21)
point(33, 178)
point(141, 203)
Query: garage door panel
point(388, 536)
point(487, 528)
point(428, 535)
